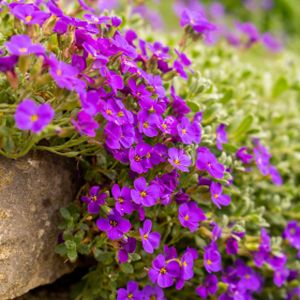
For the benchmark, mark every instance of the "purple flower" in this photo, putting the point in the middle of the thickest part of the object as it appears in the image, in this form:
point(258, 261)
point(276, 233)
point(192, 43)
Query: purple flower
point(8, 63)
point(30, 116)
point(85, 124)
point(275, 175)
point(292, 234)
point(206, 161)
point(123, 199)
point(163, 272)
point(118, 137)
point(190, 215)
point(189, 132)
point(114, 225)
point(131, 293)
point(212, 258)
point(250, 31)
point(137, 158)
point(249, 280)
point(29, 13)
point(244, 156)
point(197, 21)
point(232, 246)
point(143, 194)
point(217, 197)
point(221, 136)
point(94, 200)
point(179, 160)
point(150, 240)
point(21, 45)
point(186, 271)
point(271, 43)
point(127, 245)
point(153, 292)
point(209, 287)
point(264, 249)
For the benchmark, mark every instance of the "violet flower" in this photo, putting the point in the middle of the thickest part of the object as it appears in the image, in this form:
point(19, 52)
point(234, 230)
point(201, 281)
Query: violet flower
point(94, 200)
point(189, 132)
point(244, 156)
point(144, 194)
point(179, 160)
point(31, 116)
point(127, 245)
point(85, 124)
point(217, 197)
point(221, 136)
point(162, 272)
point(29, 13)
point(209, 287)
point(190, 215)
point(212, 258)
point(271, 43)
point(206, 161)
point(197, 21)
point(150, 240)
point(114, 225)
point(123, 199)
point(186, 270)
point(153, 292)
point(21, 45)
point(7, 63)
point(131, 292)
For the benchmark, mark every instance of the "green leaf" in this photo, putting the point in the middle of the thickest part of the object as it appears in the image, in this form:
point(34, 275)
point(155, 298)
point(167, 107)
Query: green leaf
point(65, 213)
point(61, 249)
point(193, 106)
point(127, 268)
point(244, 127)
point(280, 86)
point(72, 255)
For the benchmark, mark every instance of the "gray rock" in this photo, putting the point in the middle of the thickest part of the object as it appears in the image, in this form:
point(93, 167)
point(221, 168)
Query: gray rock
point(32, 190)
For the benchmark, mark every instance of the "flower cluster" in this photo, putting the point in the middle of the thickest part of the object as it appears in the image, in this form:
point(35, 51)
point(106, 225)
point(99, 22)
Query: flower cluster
point(158, 194)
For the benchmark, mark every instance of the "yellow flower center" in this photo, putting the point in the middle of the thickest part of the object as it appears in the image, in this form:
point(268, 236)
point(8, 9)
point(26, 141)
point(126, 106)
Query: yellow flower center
point(176, 162)
point(121, 200)
point(59, 72)
point(145, 236)
point(209, 262)
point(120, 114)
point(143, 194)
point(34, 118)
point(183, 131)
point(23, 50)
point(164, 126)
point(146, 125)
point(28, 18)
point(108, 112)
point(94, 198)
point(163, 271)
point(216, 196)
point(137, 158)
point(113, 223)
point(184, 264)
point(186, 218)
point(130, 296)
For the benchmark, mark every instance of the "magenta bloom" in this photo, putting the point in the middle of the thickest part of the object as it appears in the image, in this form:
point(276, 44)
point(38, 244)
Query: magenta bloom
point(94, 200)
point(190, 215)
point(186, 271)
point(153, 292)
point(189, 132)
point(150, 240)
point(271, 43)
point(143, 194)
point(292, 234)
point(206, 161)
point(163, 272)
point(217, 197)
point(244, 156)
point(179, 160)
point(221, 136)
point(197, 21)
point(250, 31)
point(114, 225)
point(123, 199)
point(209, 287)
point(31, 116)
point(127, 245)
point(212, 258)
point(132, 292)
point(7, 63)
point(85, 124)
point(29, 13)
point(21, 45)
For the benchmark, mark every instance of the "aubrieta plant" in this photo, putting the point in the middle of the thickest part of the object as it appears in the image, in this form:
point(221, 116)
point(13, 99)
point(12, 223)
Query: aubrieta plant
point(181, 198)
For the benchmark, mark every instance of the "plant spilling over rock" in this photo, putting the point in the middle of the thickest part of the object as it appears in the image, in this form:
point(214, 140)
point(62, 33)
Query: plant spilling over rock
point(182, 198)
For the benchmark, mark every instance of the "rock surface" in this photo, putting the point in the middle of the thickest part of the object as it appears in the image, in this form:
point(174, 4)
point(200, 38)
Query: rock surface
point(32, 190)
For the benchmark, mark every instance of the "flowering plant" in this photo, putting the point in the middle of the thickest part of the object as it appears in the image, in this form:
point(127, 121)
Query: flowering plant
point(181, 196)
